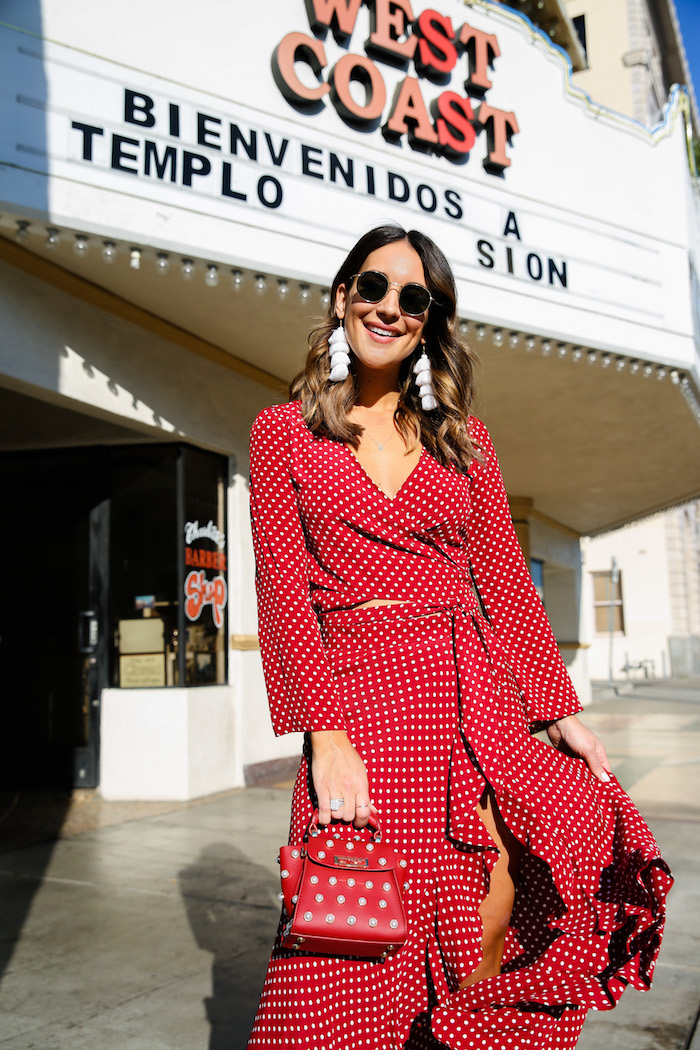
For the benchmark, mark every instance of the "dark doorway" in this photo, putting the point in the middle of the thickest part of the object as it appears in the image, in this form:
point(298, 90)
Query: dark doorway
point(53, 658)
point(114, 574)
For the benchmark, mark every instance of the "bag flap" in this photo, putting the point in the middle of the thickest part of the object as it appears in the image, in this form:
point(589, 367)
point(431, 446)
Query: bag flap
point(355, 855)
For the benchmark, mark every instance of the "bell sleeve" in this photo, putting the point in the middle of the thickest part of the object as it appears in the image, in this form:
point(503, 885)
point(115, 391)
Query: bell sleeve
point(302, 692)
point(508, 595)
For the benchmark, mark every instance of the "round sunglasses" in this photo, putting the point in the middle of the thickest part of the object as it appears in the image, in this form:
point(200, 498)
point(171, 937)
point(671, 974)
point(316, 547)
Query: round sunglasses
point(373, 286)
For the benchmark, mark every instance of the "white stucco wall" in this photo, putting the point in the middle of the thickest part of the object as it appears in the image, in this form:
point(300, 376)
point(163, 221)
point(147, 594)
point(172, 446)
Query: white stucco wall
point(561, 554)
point(642, 557)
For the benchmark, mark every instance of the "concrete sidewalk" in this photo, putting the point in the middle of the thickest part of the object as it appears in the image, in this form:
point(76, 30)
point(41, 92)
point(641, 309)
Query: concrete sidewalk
point(153, 933)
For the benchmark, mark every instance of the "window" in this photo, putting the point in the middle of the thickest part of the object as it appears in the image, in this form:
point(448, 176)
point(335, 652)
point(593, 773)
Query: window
point(607, 603)
point(168, 567)
point(537, 573)
point(580, 27)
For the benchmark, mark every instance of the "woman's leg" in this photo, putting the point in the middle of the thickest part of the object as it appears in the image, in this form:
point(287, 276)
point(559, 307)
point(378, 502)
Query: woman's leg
point(496, 908)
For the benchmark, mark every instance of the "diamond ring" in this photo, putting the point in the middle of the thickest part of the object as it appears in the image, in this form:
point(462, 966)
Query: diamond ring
point(337, 803)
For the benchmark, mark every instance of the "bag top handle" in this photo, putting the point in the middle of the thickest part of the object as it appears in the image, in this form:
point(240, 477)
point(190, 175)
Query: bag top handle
point(373, 826)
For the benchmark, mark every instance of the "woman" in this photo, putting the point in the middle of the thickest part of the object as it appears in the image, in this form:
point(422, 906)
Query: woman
point(401, 632)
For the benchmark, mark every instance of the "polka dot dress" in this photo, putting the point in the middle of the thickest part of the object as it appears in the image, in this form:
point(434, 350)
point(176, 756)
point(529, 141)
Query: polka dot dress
point(439, 695)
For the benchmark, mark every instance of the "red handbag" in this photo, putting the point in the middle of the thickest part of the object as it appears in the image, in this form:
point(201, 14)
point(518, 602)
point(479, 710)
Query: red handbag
point(343, 893)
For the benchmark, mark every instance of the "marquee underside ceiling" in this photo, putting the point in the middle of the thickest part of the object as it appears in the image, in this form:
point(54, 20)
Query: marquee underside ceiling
point(592, 447)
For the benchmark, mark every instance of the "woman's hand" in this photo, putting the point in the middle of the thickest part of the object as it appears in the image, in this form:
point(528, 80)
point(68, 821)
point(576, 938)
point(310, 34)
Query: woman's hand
point(572, 737)
point(338, 772)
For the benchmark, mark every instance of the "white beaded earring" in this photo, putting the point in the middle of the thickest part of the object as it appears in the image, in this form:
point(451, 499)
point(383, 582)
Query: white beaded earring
point(424, 382)
point(340, 358)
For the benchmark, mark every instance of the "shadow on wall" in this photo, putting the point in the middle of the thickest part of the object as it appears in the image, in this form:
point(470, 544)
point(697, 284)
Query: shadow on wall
point(233, 912)
point(27, 818)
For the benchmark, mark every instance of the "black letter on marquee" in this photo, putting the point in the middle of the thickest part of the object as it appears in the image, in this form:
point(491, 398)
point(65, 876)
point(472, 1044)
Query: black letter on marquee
point(226, 189)
point(512, 226)
point(307, 160)
point(486, 260)
point(537, 275)
point(132, 107)
point(88, 131)
point(189, 168)
point(393, 179)
point(561, 274)
point(432, 199)
point(119, 156)
point(262, 183)
point(236, 136)
point(453, 198)
point(169, 160)
point(174, 120)
point(276, 158)
point(203, 131)
point(347, 173)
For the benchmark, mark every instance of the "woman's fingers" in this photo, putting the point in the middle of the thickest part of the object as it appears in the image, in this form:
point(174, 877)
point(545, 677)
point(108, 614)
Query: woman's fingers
point(363, 811)
point(339, 776)
point(570, 735)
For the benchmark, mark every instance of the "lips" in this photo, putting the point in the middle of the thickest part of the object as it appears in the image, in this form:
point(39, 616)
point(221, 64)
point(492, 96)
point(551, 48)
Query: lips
point(378, 331)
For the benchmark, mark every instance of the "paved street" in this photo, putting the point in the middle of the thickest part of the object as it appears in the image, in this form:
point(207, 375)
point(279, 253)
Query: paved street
point(149, 928)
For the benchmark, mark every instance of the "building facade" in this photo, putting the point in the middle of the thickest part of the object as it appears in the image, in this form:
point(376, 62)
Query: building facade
point(642, 591)
point(177, 190)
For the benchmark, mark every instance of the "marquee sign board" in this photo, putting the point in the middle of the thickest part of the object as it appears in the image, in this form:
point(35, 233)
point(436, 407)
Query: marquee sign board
point(530, 197)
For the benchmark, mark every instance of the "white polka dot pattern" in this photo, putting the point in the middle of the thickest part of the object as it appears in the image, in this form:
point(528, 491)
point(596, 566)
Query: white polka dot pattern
point(437, 700)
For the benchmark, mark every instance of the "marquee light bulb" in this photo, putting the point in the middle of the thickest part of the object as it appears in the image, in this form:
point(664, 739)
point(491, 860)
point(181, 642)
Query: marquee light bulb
point(592, 357)
point(187, 270)
point(530, 342)
point(109, 252)
point(648, 371)
point(661, 373)
point(576, 354)
point(464, 328)
point(561, 350)
point(480, 331)
point(325, 297)
point(135, 258)
point(514, 338)
point(162, 264)
point(304, 294)
point(260, 284)
point(22, 231)
point(211, 277)
point(606, 360)
point(236, 280)
point(546, 347)
point(498, 337)
point(52, 239)
point(80, 245)
point(282, 289)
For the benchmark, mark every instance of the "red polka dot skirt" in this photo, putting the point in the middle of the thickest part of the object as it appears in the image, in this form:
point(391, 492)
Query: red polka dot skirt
point(440, 696)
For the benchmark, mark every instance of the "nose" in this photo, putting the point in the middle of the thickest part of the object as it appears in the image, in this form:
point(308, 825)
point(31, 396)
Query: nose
point(389, 305)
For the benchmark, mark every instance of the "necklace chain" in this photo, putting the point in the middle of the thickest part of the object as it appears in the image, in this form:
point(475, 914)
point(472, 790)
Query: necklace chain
point(380, 444)
point(374, 440)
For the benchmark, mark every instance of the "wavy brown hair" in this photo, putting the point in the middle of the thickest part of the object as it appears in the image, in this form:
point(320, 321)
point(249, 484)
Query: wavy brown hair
point(443, 431)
